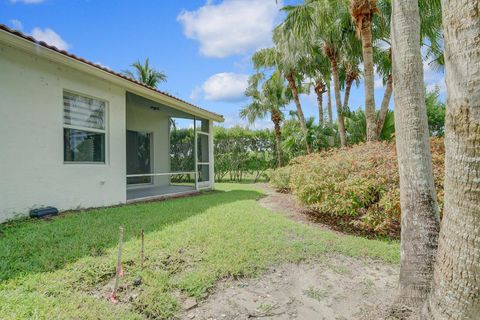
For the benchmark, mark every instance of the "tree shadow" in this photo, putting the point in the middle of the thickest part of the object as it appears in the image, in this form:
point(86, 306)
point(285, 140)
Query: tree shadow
point(33, 246)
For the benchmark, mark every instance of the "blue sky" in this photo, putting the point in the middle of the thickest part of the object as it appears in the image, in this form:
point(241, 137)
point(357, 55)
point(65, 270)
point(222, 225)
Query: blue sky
point(203, 46)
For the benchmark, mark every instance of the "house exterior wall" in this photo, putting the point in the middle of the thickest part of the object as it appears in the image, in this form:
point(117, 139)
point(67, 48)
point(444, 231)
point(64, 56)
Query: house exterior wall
point(142, 119)
point(32, 170)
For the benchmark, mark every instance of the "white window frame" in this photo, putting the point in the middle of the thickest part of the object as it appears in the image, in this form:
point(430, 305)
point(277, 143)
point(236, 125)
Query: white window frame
point(87, 129)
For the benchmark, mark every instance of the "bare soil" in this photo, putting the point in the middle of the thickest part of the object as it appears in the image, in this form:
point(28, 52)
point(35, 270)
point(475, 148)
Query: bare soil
point(337, 287)
point(286, 204)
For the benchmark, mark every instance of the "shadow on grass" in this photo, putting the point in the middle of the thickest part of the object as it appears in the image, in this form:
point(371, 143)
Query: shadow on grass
point(32, 246)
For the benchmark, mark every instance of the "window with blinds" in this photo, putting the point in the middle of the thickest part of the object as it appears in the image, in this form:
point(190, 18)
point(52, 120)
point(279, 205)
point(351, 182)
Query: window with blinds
point(84, 129)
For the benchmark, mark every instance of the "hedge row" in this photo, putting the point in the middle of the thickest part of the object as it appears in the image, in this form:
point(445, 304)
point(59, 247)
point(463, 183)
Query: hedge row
point(359, 184)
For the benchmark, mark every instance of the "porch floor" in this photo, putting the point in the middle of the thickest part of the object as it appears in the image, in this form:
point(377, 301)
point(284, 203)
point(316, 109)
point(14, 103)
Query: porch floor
point(154, 192)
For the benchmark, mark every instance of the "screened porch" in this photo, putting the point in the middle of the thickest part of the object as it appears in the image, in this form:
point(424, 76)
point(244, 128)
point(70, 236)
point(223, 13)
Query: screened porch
point(168, 151)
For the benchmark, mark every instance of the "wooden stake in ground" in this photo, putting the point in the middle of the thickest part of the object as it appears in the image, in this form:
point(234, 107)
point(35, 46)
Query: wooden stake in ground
point(119, 272)
point(142, 252)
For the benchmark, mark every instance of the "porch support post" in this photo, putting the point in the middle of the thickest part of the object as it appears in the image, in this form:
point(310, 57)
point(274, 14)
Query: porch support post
point(211, 154)
point(195, 151)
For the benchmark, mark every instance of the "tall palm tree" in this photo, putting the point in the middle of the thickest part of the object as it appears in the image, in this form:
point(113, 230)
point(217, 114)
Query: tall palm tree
point(419, 209)
point(272, 98)
point(383, 61)
point(285, 58)
point(362, 12)
point(350, 71)
point(320, 88)
point(326, 23)
point(455, 291)
point(329, 102)
point(430, 37)
point(316, 67)
point(145, 74)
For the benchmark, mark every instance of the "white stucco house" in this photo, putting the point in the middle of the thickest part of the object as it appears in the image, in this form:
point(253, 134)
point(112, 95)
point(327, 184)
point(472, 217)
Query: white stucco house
point(74, 134)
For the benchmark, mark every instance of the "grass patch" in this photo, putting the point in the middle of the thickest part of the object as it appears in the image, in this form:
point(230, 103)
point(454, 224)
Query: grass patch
point(315, 293)
point(57, 268)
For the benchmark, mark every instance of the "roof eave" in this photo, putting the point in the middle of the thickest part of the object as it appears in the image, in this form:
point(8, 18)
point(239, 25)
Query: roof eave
point(64, 58)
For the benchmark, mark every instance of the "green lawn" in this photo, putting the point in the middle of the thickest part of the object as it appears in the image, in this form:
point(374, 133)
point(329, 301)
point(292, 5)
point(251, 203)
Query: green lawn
point(55, 269)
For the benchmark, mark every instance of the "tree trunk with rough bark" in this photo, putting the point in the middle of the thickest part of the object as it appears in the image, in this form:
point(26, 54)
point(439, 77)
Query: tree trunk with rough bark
point(277, 119)
point(319, 90)
point(338, 103)
point(456, 287)
point(346, 97)
point(301, 117)
point(329, 105)
point(367, 50)
point(384, 107)
point(420, 221)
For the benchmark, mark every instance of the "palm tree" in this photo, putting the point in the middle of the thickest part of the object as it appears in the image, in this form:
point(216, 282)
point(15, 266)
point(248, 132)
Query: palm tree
point(146, 75)
point(349, 74)
point(419, 209)
point(430, 34)
point(325, 23)
point(383, 61)
point(456, 281)
point(281, 59)
point(316, 66)
point(320, 89)
point(272, 98)
point(329, 102)
point(362, 12)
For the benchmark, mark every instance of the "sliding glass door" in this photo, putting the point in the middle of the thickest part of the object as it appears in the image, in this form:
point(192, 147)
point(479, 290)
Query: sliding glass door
point(139, 156)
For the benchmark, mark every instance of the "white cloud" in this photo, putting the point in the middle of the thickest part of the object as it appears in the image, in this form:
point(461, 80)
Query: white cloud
point(27, 1)
point(227, 87)
point(16, 24)
point(232, 26)
point(51, 37)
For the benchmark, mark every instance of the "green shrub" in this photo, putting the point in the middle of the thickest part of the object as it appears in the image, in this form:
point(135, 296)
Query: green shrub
point(280, 178)
point(360, 184)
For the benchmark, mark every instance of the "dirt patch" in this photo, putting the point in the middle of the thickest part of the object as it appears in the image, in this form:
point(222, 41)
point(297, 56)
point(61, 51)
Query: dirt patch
point(286, 204)
point(337, 287)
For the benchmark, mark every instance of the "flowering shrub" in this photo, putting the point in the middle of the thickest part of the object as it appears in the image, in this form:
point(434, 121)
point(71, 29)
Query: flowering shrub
point(280, 178)
point(360, 184)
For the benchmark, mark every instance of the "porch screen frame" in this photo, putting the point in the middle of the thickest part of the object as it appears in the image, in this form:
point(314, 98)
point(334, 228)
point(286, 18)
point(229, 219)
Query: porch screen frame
point(152, 164)
point(203, 184)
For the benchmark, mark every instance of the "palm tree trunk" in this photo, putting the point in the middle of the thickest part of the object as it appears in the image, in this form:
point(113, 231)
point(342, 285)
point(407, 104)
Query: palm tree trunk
point(384, 108)
point(276, 119)
point(338, 102)
point(346, 97)
point(301, 117)
point(329, 105)
point(319, 90)
point(455, 290)
point(420, 222)
point(367, 50)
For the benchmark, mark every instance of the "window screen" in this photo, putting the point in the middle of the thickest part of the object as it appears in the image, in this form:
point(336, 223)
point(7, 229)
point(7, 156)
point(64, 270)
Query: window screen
point(84, 129)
